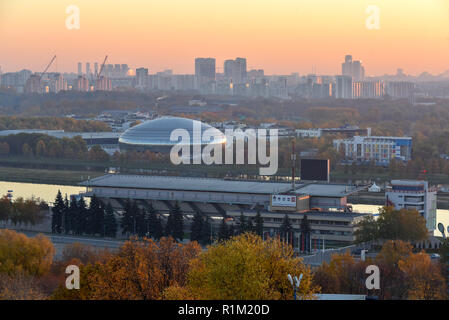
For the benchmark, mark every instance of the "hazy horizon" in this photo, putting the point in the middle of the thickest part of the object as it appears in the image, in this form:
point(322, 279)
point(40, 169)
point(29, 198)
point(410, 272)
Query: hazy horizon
point(280, 37)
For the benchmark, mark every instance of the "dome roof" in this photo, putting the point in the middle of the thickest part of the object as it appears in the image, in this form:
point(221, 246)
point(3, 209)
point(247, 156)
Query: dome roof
point(157, 132)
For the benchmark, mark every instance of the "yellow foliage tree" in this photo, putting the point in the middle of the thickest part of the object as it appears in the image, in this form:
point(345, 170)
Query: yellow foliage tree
point(246, 267)
point(424, 278)
point(141, 270)
point(20, 254)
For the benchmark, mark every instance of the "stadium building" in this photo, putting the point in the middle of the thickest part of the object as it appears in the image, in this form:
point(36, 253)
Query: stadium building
point(331, 218)
point(155, 135)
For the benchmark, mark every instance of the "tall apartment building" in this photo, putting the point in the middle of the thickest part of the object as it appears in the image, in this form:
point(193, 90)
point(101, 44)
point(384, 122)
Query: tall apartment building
point(103, 84)
point(235, 70)
point(33, 84)
point(16, 80)
point(414, 194)
point(377, 149)
point(400, 89)
point(205, 68)
point(205, 75)
point(53, 82)
point(343, 87)
point(368, 89)
point(81, 84)
point(353, 69)
point(142, 78)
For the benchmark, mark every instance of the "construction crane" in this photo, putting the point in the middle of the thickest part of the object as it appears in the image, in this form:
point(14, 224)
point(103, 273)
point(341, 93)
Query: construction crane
point(48, 66)
point(101, 68)
point(97, 81)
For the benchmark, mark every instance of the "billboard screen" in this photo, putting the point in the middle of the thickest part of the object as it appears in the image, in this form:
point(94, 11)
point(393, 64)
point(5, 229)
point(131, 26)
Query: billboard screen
point(283, 200)
point(315, 169)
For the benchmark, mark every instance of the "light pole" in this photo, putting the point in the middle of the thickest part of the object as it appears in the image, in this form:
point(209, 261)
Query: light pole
point(295, 284)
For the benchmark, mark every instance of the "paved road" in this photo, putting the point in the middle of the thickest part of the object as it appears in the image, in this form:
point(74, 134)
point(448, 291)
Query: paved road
point(59, 241)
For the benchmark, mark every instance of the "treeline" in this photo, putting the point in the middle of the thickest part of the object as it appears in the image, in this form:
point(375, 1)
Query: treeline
point(72, 102)
point(152, 270)
point(52, 123)
point(403, 274)
point(392, 224)
point(145, 269)
point(42, 145)
point(98, 219)
point(22, 211)
point(75, 217)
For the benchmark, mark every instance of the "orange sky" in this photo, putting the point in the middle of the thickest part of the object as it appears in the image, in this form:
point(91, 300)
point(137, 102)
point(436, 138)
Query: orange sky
point(280, 36)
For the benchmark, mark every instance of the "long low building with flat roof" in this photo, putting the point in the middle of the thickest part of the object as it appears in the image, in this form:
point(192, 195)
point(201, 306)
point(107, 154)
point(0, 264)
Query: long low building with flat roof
point(324, 203)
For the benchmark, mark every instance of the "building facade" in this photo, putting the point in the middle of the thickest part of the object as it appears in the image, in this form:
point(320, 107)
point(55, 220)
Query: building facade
point(377, 149)
point(414, 194)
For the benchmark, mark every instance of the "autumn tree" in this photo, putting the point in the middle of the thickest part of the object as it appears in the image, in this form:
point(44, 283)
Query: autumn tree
point(141, 270)
point(20, 287)
point(343, 275)
point(424, 279)
point(20, 254)
point(393, 224)
point(246, 267)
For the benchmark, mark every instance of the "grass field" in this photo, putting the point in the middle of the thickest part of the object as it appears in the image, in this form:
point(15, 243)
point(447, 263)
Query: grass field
point(61, 177)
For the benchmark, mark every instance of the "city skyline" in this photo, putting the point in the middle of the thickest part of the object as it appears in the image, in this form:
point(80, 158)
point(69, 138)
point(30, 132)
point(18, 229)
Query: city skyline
point(280, 37)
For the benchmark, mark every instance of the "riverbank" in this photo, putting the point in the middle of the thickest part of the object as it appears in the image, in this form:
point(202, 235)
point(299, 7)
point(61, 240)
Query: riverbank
point(68, 171)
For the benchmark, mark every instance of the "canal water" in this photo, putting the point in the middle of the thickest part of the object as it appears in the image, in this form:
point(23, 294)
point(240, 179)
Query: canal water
point(47, 192)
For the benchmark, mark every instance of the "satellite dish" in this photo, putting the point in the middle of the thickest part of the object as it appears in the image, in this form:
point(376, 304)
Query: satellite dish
point(441, 229)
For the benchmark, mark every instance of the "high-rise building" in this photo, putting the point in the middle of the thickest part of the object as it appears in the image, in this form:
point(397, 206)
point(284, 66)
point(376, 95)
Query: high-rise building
point(103, 84)
point(353, 69)
point(368, 89)
point(16, 80)
point(96, 68)
point(117, 71)
point(142, 78)
point(53, 82)
point(414, 194)
point(82, 84)
point(80, 69)
point(124, 70)
point(33, 84)
point(400, 89)
point(205, 68)
point(343, 87)
point(228, 67)
point(109, 70)
point(235, 70)
point(346, 67)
